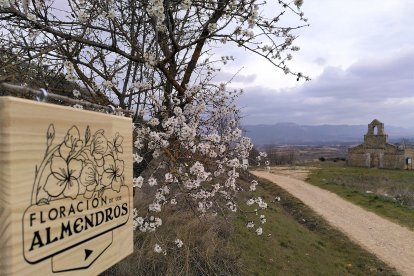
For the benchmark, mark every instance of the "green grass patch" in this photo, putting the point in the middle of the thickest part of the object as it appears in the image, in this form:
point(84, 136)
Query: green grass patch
point(296, 241)
point(388, 193)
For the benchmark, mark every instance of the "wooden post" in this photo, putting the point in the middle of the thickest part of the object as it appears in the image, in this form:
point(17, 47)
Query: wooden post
point(65, 189)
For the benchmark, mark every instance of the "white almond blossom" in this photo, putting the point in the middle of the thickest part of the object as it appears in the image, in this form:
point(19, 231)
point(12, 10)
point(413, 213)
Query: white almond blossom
point(137, 158)
point(152, 181)
point(157, 248)
point(138, 181)
point(179, 243)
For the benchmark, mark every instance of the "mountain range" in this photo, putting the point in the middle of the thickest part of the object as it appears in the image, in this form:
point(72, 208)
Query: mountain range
point(295, 134)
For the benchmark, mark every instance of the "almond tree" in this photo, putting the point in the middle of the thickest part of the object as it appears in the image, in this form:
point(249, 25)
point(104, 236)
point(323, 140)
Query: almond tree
point(157, 58)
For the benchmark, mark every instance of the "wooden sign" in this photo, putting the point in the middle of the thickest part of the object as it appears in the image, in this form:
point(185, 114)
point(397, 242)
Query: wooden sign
point(65, 189)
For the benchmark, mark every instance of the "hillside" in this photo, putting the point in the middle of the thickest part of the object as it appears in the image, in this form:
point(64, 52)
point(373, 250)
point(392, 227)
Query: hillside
point(294, 134)
point(295, 241)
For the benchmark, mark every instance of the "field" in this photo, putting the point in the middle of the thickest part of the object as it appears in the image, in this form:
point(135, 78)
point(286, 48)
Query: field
point(297, 154)
point(389, 193)
point(295, 241)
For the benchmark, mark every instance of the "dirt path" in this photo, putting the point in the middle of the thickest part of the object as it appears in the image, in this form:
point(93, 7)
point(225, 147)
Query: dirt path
point(390, 242)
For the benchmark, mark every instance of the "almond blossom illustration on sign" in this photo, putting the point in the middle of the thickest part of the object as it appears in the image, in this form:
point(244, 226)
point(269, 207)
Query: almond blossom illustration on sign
point(78, 166)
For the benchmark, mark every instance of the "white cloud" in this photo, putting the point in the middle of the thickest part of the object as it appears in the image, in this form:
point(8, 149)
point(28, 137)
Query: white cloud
point(360, 56)
point(382, 89)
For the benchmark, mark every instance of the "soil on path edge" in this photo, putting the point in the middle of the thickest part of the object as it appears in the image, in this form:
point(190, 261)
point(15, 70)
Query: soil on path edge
point(392, 243)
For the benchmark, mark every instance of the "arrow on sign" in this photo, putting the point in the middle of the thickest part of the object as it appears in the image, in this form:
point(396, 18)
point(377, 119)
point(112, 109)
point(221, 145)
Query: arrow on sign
point(87, 253)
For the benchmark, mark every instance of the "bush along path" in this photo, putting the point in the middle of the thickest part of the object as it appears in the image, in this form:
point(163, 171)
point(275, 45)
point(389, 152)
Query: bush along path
point(390, 242)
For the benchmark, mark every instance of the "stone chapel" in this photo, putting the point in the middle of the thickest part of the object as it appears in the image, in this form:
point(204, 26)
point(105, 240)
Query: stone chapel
point(376, 152)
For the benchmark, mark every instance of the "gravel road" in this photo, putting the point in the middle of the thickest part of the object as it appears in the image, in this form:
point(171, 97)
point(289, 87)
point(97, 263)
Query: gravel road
point(392, 243)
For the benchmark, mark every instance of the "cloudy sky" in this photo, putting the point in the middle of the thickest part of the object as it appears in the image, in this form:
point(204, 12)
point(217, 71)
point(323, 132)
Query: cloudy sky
point(360, 56)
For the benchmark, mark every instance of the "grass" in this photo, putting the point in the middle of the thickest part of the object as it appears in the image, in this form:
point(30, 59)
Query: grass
point(296, 241)
point(206, 251)
point(388, 193)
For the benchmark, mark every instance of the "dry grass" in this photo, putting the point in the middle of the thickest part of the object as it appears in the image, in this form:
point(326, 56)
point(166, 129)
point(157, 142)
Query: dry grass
point(206, 251)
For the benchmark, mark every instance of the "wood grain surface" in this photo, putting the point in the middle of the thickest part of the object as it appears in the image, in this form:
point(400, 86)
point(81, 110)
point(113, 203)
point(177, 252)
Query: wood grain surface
point(65, 189)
